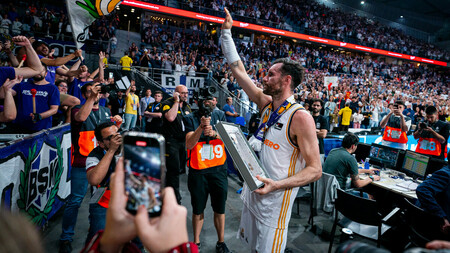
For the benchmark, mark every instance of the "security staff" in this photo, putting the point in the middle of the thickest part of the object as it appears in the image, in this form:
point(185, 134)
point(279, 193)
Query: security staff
point(207, 169)
point(396, 126)
point(433, 135)
point(153, 115)
point(173, 110)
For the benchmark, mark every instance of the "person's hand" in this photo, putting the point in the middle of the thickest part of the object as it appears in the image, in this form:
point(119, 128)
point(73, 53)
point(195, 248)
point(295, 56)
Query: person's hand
point(208, 131)
point(438, 244)
point(269, 185)
point(236, 114)
point(101, 56)
point(95, 91)
point(166, 232)
point(7, 47)
point(376, 178)
point(205, 121)
point(228, 23)
point(83, 69)
point(9, 84)
point(51, 53)
point(115, 142)
point(372, 171)
point(21, 41)
point(78, 53)
point(117, 119)
point(427, 129)
point(32, 39)
point(446, 227)
point(140, 117)
point(119, 228)
point(35, 117)
point(176, 96)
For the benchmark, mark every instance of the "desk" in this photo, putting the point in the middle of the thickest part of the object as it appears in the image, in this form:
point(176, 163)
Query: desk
point(390, 184)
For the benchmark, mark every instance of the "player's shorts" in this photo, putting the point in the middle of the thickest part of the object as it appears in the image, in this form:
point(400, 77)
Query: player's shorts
point(259, 237)
point(202, 185)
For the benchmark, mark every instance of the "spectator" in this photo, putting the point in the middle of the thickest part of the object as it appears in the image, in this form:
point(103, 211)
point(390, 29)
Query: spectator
point(357, 118)
point(229, 110)
point(126, 62)
point(131, 106)
point(143, 104)
point(346, 114)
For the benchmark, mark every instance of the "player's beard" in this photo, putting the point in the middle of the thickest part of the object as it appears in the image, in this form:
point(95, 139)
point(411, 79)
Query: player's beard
point(271, 90)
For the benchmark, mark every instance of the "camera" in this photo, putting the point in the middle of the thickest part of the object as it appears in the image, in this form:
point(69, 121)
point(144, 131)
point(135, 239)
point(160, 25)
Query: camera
point(202, 94)
point(104, 88)
point(423, 125)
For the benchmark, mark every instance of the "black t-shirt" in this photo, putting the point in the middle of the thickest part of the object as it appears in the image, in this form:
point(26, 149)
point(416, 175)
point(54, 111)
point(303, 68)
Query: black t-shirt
point(155, 125)
point(442, 128)
point(176, 128)
point(116, 104)
point(321, 123)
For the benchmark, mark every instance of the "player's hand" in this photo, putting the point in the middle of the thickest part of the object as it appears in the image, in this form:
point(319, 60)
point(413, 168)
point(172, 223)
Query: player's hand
point(167, 231)
point(228, 23)
point(205, 121)
point(117, 217)
point(269, 185)
point(176, 96)
point(21, 41)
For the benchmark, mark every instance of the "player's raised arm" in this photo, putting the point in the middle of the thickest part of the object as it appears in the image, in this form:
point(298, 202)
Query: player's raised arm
point(237, 67)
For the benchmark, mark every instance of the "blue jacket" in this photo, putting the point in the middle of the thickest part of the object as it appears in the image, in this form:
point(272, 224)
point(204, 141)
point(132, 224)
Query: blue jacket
point(434, 193)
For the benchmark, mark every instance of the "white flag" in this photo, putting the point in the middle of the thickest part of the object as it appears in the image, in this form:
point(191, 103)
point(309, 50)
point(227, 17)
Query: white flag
point(83, 12)
point(330, 81)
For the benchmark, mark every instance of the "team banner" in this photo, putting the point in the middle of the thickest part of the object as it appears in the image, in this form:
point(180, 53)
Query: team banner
point(169, 82)
point(34, 176)
point(83, 12)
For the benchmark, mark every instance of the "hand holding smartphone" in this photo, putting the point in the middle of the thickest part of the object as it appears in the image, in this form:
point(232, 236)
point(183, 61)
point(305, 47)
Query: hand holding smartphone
point(144, 164)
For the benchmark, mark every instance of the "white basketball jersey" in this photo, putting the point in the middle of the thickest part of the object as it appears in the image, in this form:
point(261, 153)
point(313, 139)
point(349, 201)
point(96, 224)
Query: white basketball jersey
point(281, 159)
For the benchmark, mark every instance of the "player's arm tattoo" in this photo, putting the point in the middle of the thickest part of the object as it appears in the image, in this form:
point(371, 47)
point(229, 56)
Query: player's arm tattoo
point(235, 64)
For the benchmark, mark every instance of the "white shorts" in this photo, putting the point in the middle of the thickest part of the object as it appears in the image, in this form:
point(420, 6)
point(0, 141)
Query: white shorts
point(259, 237)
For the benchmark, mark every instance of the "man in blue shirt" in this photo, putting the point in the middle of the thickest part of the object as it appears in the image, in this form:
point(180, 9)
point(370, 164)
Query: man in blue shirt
point(46, 102)
point(229, 110)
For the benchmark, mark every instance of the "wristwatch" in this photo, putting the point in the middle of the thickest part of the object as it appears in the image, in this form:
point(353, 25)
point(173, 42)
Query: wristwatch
point(371, 177)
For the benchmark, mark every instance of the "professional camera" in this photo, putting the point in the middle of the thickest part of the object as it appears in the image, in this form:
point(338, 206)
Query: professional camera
point(202, 94)
point(423, 125)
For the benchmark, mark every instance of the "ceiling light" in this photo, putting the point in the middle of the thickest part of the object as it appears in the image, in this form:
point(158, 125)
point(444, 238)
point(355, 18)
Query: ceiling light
point(401, 16)
point(362, 2)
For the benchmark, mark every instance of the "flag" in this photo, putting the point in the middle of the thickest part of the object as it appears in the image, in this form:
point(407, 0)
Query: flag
point(330, 81)
point(83, 12)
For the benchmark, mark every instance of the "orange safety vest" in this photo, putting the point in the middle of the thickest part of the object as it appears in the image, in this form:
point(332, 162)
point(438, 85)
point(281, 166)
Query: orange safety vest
point(429, 146)
point(393, 134)
point(104, 200)
point(216, 155)
point(87, 142)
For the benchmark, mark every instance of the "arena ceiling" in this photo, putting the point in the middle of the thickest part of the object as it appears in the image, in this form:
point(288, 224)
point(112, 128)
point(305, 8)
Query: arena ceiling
point(436, 8)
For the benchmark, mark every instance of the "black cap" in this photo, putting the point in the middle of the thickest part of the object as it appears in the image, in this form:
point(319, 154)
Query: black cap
point(37, 43)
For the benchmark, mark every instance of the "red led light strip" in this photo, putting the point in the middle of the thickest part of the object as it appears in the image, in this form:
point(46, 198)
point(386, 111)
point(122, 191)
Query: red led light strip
point(213, 19)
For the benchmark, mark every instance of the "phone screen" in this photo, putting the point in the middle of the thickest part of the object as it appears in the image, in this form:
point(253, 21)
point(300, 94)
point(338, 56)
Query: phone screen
point(143, 163)
point(111, 75)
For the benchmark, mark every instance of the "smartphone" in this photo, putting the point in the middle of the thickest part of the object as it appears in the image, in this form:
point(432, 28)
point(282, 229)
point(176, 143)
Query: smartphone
point(145, 165)
point(111, 75)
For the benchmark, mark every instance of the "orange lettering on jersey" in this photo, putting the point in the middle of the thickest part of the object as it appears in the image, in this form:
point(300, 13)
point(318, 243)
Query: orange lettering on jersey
point(271, 144)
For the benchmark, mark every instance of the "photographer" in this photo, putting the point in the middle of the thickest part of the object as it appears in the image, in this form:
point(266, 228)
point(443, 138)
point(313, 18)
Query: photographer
point(396, 126)
point(432, 134)
point(100, 164)
point(207, 169)
point(84, 120)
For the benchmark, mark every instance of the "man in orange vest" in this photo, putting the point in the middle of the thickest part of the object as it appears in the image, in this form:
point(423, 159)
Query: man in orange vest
point(100, 164)
point(432, 134)
point(84, 120)
point(396, 126)
point(207, 168)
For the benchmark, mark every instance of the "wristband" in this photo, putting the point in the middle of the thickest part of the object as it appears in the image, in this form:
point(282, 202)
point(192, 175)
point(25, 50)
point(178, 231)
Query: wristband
point(37, 117)
point(185, 248)
point(228, 47)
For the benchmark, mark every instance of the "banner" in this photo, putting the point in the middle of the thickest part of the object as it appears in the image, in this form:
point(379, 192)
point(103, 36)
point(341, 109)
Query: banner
point(169, 82)
point(277, 32)
point(330, 81)
point(83, 12)
point(34, 176)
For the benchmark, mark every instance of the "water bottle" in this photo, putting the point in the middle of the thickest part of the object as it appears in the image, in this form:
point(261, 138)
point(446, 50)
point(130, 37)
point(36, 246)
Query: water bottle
point(366, 164)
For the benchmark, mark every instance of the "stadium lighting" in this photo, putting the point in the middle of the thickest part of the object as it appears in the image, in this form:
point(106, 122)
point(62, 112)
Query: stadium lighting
point(401, 16)
point(125, 15)
point(132, 10)
point(362, 2)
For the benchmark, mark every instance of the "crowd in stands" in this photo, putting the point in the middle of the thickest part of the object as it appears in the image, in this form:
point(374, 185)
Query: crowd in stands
point(314, 18)
point(45, 20)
